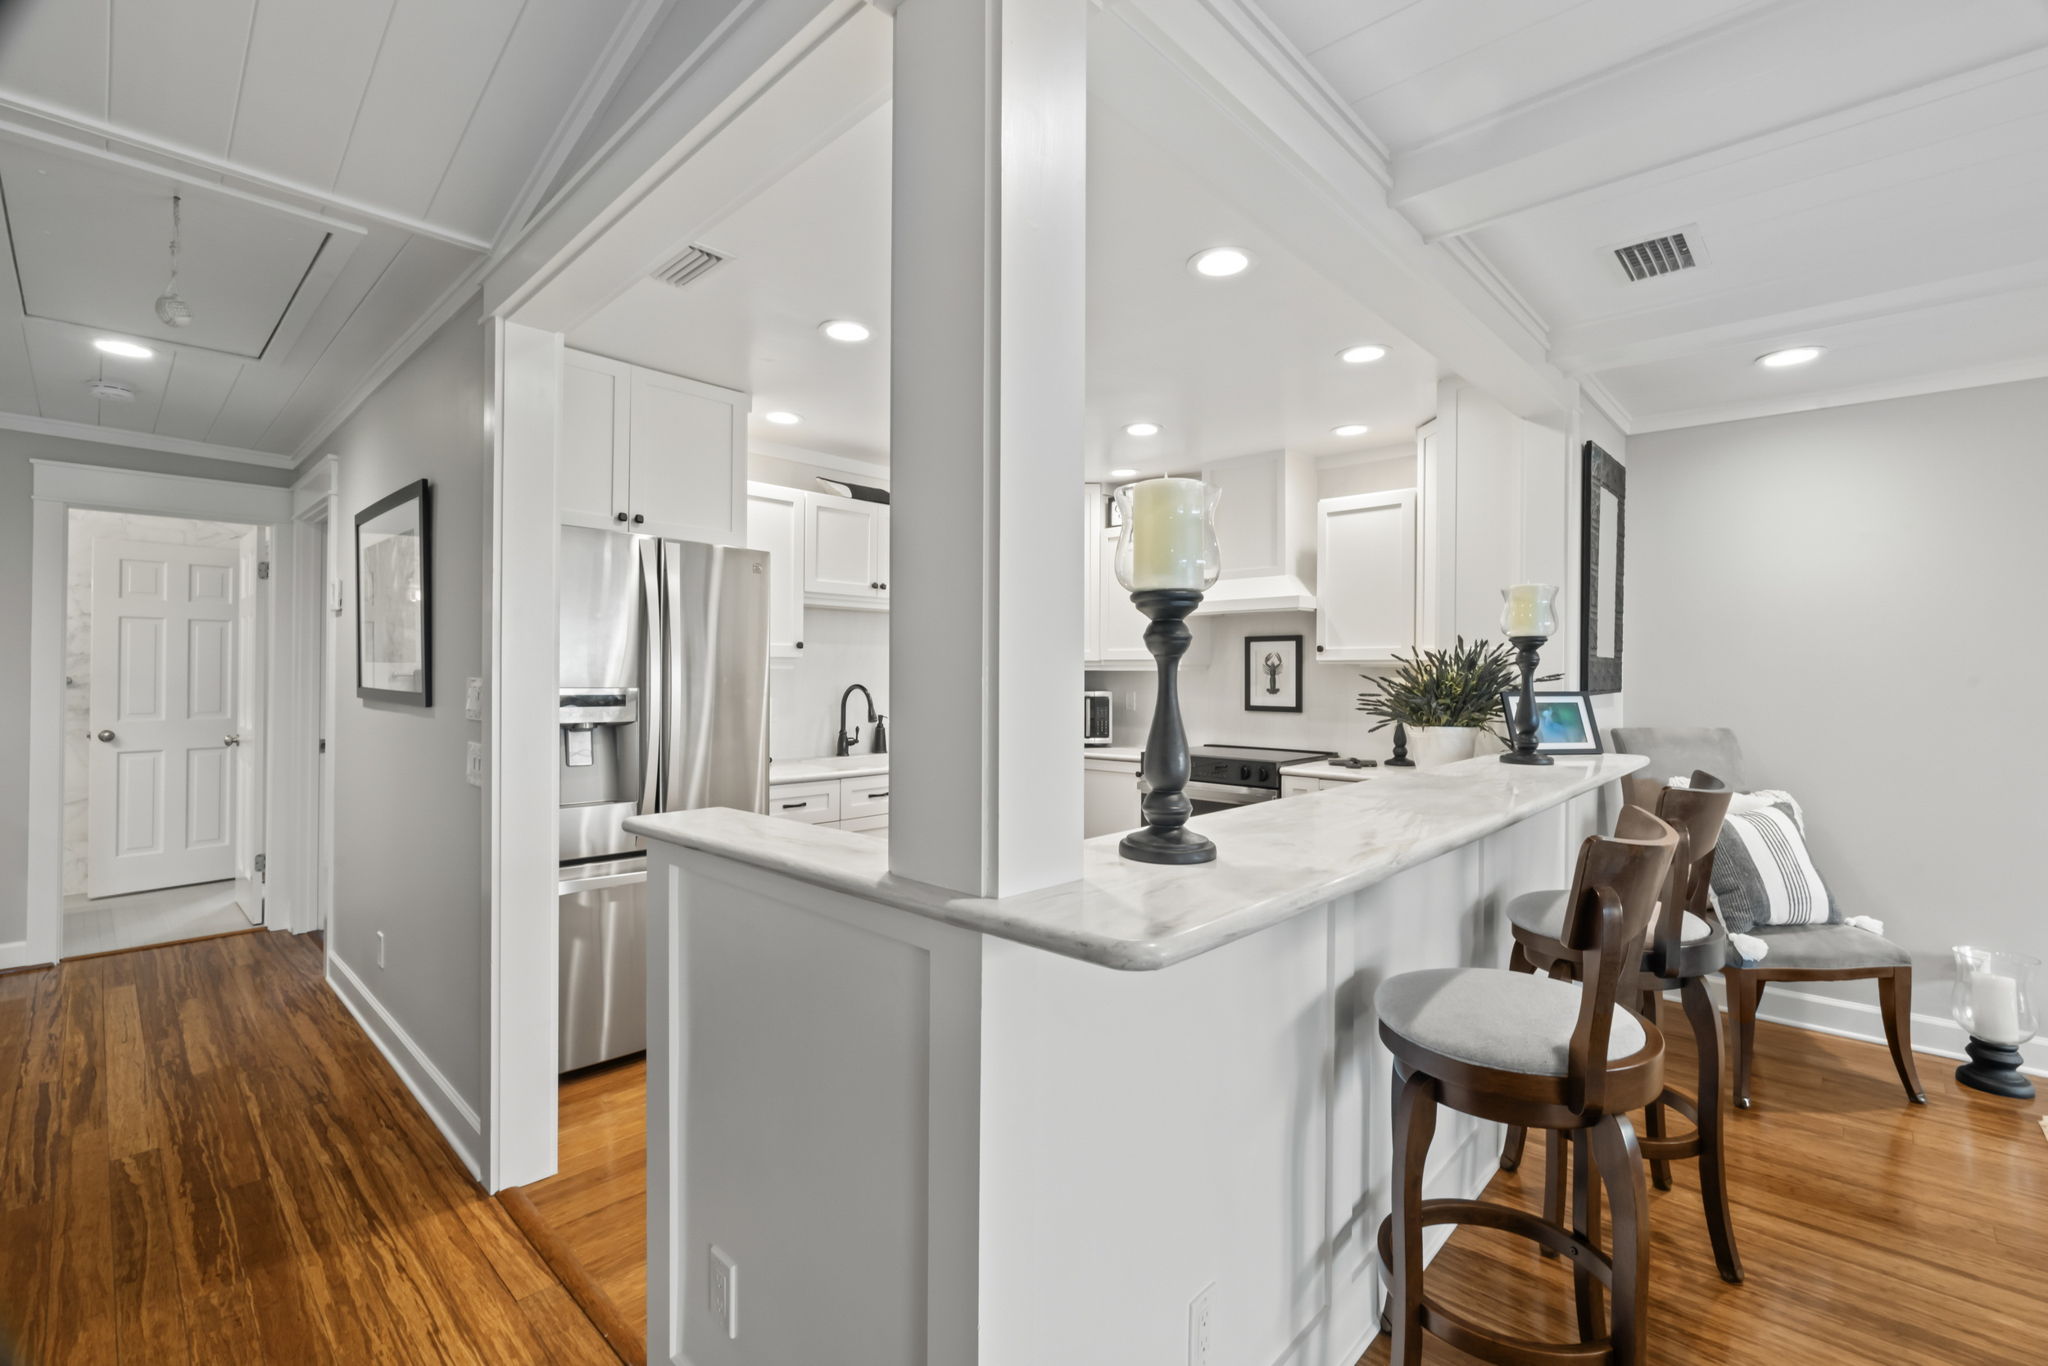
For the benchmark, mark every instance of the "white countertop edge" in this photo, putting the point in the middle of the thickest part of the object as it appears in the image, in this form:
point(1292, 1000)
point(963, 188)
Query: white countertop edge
point(1139, 917)
point(827, 769)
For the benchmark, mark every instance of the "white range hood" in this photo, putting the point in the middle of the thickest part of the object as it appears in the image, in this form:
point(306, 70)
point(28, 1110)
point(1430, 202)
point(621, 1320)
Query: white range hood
point(1266, 529)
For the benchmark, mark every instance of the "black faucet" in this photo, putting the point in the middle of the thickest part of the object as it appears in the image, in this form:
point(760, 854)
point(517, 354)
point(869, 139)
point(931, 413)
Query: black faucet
point(847, 738)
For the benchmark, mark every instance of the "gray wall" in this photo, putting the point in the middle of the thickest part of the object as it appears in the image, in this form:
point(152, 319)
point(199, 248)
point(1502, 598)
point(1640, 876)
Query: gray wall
point(1857, 592)
point(408, 828)
point(17, 485)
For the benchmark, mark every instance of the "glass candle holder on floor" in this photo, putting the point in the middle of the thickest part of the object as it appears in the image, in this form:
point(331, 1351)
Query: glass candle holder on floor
point(1993, 1002)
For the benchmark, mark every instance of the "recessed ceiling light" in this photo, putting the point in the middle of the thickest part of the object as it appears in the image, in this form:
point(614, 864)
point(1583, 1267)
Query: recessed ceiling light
point(1791, 355)
point(1142, 429)
point(1361, 355)
point(1350, 429)
point(1220, 262)
point(1123, 474)
point(782, 419)
point(845, 330)
point(127, 350)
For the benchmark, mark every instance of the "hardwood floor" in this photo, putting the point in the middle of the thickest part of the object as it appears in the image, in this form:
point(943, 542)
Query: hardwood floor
point(1870, 1230)
point(590, 1217)
point(203, 1159)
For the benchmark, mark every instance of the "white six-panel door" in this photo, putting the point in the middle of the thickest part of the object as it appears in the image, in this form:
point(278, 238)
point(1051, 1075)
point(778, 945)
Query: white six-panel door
point(161, 781)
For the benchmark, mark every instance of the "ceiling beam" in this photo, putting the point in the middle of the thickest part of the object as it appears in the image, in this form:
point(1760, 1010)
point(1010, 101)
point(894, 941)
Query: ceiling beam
point(144, 441)
point(1972, 377)
point(1664, 114)
point(83, 129)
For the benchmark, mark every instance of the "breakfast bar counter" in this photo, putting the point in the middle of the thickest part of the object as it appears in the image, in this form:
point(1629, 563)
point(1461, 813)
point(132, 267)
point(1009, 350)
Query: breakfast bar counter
point(1070, 1125)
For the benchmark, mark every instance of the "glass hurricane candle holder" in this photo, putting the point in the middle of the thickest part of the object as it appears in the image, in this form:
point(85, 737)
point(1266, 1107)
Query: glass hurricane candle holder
point(1166, 558)
point(1993, 1002)
point(1528, 617)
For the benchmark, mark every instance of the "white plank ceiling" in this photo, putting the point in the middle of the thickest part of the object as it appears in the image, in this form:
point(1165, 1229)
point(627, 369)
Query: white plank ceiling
point(344, 167)
point(1863, 175)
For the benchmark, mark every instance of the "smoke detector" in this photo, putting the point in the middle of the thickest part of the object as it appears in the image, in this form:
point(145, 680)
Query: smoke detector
point(1666, 255)
point(109, 391)
point(692, 265)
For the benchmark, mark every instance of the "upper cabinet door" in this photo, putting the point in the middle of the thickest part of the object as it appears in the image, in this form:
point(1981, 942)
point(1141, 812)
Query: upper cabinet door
point(688, 467)
point(1121, 626)
point(1365, 598)
point(881, 515)
point(775, 523)
point(843, 549)
point(596, 394)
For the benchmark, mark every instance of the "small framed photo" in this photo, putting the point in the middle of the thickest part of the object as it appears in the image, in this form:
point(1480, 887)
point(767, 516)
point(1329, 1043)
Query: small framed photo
point(1272, 673)
point(1564, 722)
point(395, 599)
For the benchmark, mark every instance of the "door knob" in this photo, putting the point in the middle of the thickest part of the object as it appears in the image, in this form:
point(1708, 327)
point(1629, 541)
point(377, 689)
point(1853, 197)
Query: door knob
point(231, 740)
point(106, 737)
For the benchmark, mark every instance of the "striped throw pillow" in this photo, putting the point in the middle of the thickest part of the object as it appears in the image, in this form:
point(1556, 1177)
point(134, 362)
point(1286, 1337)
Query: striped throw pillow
point(1764, 876)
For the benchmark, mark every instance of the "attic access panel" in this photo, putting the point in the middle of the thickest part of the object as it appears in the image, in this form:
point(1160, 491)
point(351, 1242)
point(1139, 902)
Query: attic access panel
point(91, 245)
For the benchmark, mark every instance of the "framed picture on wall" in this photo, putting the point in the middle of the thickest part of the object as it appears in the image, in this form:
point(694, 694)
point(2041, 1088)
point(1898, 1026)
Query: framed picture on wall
point(1564, 722)
point(395, 599)
point(1603, 547)
point(1272, 673)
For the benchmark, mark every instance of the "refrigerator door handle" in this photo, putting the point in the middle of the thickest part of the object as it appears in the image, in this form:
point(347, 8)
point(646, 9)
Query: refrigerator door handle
point(653, 760)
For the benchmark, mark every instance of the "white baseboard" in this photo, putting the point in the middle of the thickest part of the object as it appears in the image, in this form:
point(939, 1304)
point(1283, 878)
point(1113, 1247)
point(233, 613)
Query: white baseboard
point(1936, 1035)
point(452, 1115)
point(14, 954)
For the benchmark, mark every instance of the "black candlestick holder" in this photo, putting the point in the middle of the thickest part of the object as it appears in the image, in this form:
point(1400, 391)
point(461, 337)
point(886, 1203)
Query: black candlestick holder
point(1163, 777)
point(1525, 751)
point(1994, 1067)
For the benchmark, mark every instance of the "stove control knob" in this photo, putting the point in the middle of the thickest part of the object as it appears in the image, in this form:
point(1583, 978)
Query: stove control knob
point(1265, 775)
point(1244, 772)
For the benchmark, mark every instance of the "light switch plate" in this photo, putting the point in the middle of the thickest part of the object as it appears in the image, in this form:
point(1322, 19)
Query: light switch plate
point(473, 700)
point(473, 765)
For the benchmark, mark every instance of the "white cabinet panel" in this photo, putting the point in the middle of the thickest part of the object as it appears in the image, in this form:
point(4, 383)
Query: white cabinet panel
point(687, 459)
point(1109, 797)
point(1091, 531)
point(591, 479)
point(1120, 625)
point(812, 803)
point(1298, 787)
point(863, 798)
point(775, 523)
point(845, 541)
point(867, 825)
point(1365, 594)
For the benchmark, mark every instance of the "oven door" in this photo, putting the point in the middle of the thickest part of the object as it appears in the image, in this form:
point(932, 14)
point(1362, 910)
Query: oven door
point(1209, 797)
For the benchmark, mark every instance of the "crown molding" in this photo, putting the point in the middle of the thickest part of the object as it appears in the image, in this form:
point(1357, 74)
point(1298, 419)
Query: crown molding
point(143, 441)
point(797, 455)
point(1973, 377)
point(1603, 398)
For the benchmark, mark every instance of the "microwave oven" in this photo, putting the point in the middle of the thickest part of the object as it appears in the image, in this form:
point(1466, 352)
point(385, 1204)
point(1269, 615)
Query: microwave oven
point(1094, 719)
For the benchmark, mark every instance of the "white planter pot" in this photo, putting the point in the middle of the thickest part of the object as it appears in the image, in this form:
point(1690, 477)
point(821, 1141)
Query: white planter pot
point(1435, 746)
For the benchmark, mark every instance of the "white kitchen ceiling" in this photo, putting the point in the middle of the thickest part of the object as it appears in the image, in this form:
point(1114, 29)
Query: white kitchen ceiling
point(1226, 367)
point(1863, 175)
point(354, 161)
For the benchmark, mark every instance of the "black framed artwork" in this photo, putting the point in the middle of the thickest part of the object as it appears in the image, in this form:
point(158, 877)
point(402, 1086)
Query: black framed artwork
point(1603, 549)
point(1564, 721)
point(395, 599)
point(1272, 673)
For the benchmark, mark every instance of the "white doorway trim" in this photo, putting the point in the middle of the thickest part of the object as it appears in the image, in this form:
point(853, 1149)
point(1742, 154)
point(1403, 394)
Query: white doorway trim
point(59, 487)
point(305, 715)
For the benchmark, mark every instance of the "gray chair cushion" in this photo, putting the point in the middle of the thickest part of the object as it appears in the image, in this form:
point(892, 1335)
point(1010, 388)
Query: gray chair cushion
point(1673, 750)
point(1543, 913)
point(1488, 1017)
point(1823, 948)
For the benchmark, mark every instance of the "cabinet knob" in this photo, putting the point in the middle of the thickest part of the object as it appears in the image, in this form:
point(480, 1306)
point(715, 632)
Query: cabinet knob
point(873, 584)
point(1319, 649)
point(883, 586)
point(799, 645)
point(622, 516)
point(638, 519)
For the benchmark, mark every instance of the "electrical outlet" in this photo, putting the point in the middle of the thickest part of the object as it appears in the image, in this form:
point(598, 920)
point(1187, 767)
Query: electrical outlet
point(473, 700)
point(722, 1289)
point(380, 948)
point(1199, 1327)
point(473, 764)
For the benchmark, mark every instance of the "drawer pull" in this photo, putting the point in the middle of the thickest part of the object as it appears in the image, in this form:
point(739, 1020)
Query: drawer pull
point(878, 796)
point(795, 806)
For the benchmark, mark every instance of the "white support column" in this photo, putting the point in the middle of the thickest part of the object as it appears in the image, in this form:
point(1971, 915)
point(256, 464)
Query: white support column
point(988, 326)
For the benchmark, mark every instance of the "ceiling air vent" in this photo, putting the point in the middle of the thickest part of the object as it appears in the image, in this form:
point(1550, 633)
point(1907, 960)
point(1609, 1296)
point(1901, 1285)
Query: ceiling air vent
point(1657, 256)
point(109, 391)
point(693, 264)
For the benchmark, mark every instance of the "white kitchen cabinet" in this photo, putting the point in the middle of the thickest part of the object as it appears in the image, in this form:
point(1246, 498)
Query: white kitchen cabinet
point(652, 453)
point(1365, 596)
point(811, 803)
point(592, 465)
point(775, 523)
point(1091, 578)
point(864, 798)
point(846, 552)
point(866, 825)
point(1109, 796)
point(1291, 786)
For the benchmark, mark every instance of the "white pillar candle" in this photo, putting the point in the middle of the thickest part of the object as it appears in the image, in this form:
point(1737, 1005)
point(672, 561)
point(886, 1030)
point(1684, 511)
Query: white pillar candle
point(1526, 610)
point(1169, 531)
point(1995, 1008)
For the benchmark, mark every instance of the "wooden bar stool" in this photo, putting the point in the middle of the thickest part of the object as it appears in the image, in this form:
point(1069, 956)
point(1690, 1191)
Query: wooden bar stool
point(1532, 1051)
point(1687, 945)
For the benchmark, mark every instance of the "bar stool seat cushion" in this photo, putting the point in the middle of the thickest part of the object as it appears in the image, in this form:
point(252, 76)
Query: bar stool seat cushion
point(1489, 1017)
point(1823, 948)
point(1543, 913)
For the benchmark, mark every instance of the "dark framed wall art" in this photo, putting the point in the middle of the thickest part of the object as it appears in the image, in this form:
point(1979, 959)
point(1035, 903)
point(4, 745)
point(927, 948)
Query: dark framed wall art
point(1272, 673)
point(395, 599)
point(1603, 550)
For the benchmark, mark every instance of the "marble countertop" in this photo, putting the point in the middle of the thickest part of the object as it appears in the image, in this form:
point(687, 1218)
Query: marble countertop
point(1275, 860)
point(828, 769)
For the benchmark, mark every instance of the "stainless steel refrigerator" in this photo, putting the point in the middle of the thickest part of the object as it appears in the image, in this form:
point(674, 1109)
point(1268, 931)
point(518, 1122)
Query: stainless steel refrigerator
point(663, 707)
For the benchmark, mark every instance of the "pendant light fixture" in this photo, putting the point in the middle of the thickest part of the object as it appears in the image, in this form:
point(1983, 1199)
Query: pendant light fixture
point(170, 305)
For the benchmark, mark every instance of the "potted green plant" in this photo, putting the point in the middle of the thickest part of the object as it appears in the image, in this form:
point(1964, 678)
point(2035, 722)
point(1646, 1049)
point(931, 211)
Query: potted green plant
point(1445, 698)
